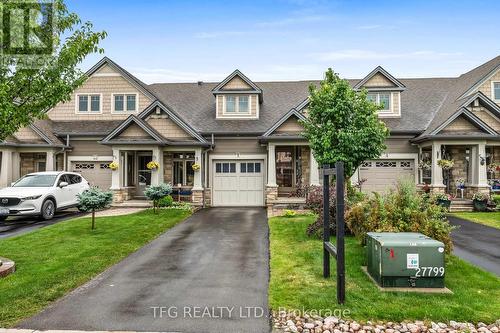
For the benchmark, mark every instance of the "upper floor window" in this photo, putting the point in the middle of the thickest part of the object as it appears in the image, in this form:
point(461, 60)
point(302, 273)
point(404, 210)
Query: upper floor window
point(88, 103)
point(237, 105)
point(383, 99)
point(496, 91)
point(125, 102)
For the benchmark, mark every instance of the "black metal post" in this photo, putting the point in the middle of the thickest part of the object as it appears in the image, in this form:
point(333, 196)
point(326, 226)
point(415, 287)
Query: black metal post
point(339, 167)
point(326, 220)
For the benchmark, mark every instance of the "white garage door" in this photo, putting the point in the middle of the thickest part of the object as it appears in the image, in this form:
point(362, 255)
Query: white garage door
point(96, 173)
point(238, 183)
point(381, 175)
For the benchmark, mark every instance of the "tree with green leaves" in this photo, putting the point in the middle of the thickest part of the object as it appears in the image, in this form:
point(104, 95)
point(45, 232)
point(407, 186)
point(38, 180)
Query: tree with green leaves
point(342, 124)
point(157, 192)
point(94, 199)
point(34, 79)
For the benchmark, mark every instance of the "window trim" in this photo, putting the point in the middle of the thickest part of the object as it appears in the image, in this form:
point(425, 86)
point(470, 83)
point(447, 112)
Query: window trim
point(237, 112)
point(125, 111)
point(88, 112)
point(377, 101)
point(493, 91)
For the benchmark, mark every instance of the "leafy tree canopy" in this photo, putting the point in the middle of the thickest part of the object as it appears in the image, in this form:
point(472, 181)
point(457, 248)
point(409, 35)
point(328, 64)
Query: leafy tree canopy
point(342, 124)
point(27, 91)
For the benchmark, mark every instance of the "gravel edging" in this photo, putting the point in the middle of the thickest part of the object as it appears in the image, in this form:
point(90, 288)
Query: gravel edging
point(290, 322)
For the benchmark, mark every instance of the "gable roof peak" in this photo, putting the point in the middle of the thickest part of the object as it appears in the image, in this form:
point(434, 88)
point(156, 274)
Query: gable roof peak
point(253, 87)
point(380, 70)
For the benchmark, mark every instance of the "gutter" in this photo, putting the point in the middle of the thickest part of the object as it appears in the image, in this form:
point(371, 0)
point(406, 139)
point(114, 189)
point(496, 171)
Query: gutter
point(455, 137)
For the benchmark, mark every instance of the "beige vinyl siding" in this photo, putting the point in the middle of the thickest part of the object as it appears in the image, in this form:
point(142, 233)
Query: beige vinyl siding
point(134, 131)
point(167, 127)
point(460, 125)
point(485, 88)
point(253, 100)
point(106, 69)
point(89, 148)
point(291, 125)
point(400, 146)
point(236, 83)
point(28, 135)
point(220, 105)
point(105, 85)
point(487, 117)
point(379, 80)
point(242, 146)
point(396, 108)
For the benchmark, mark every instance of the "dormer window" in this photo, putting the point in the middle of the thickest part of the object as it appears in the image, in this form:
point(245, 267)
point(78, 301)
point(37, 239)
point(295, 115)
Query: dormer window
point(236, 105)
point(382, 98)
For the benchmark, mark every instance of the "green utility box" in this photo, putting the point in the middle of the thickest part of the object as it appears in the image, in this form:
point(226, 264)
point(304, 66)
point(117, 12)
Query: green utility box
point(405, 259)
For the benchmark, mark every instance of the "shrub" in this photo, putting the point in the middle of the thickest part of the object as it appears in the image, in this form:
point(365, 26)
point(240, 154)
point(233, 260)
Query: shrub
point(289, 213)
point(402, 210)
point(478, 196)
point(157, 192)
point(94, 199)
point(166, 201)
point(495, 198)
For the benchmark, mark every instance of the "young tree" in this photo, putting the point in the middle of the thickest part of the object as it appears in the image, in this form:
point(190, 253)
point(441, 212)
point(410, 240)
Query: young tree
point(33, 80)
point(157, 192)
point(342, 124)
point(94, 199)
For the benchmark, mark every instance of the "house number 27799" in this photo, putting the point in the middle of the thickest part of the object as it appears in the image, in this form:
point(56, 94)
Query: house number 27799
point(429, 271)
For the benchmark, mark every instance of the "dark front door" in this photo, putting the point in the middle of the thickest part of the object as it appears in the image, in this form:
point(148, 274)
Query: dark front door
point(285, 169)
point(143, 173)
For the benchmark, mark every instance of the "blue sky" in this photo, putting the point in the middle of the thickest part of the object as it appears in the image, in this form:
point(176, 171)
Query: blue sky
point(186, 41)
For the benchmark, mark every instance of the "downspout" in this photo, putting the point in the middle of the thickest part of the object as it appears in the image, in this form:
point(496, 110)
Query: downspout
point(205, 168)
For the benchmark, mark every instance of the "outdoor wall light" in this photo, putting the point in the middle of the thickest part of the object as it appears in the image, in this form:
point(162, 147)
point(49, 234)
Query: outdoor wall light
point(482, 160)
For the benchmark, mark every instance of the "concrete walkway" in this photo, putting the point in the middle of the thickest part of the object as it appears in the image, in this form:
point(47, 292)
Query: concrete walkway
point(207, 274)
point(477, 243)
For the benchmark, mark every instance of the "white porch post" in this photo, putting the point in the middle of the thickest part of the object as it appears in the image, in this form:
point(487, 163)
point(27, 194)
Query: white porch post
point(6, 168)
point(157, 175)
point(49, 161)
point(474, 166)
point(16, 162)
point(482, 172)
point(115, 174)
point(314, 170)
point(271, 164)
point(197, 184)
point(437, 172)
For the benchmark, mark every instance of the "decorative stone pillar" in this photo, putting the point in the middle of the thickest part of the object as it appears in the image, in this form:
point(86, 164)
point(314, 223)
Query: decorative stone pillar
point(314, 170)
point(6, 168)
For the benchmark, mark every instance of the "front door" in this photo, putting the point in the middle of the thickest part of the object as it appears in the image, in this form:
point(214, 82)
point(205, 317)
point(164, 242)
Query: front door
point(285, 169)
point(143, 173)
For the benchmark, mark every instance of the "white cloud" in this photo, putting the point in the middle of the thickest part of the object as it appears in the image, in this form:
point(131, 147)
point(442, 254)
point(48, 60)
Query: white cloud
point(375, 55)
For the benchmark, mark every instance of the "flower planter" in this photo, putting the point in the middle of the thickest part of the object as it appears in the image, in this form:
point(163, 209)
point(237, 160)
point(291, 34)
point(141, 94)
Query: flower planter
point(444, 203)
point(480, 206)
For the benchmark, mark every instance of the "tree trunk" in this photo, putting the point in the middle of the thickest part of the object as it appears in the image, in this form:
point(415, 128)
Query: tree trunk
point(93, 219)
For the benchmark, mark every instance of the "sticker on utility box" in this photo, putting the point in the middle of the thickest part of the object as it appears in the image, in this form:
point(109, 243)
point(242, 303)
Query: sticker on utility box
point(411, 260)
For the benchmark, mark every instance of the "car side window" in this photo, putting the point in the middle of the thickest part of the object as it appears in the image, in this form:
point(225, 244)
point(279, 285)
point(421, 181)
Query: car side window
point(74, 179)
point(63, 178)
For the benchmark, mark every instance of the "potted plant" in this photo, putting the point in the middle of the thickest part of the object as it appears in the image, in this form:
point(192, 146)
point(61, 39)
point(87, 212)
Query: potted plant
point(443, 200)
point(153, 165)
point(113, 165)
point(460, 183)
point(480, 201)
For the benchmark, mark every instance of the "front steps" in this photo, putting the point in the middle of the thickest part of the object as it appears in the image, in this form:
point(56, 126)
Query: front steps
point(461, 205)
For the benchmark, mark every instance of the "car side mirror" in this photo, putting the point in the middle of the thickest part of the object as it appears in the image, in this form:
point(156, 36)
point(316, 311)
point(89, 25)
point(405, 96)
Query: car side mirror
point(63, 184)
point(12, 184)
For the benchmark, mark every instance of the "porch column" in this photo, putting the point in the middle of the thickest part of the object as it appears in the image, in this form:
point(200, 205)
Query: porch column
point(16, 162)
point(437, 172)
point(157, 175)
point(482, 171)
point(271, 165)
point(115, 174)
point(314, 170)
point(49, 161)
point(197, 184)
point(6, 168)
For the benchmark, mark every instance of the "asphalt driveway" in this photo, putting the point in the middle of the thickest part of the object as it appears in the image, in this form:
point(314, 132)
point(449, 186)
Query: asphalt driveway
point(477, 243)
point(207, 274)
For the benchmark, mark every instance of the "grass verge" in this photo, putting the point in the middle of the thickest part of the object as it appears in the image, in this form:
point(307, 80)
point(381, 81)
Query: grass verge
point(491, 219)
point(297, 283)
point(56, 259)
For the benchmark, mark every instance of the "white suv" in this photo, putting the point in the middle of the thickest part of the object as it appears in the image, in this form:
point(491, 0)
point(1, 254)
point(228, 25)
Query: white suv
point(41, 194)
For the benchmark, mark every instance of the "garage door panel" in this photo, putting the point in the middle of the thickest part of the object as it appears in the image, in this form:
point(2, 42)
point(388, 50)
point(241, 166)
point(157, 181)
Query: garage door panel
point(97, 173)
point(383, 175)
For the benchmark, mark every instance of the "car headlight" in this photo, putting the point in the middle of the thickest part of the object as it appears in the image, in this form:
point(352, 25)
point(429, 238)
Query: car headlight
point(34, 197)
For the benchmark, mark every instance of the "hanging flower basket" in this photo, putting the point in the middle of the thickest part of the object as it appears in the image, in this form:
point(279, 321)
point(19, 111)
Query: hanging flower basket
point(445, 164)
point(113, 166)
point(153, 165)
point(196, 166)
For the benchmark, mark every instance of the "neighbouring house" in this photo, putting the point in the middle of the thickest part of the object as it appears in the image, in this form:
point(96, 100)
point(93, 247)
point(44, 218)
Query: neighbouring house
point(245, 136)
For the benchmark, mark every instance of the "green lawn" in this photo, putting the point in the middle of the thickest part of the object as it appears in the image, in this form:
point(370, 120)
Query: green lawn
point(56, 259)
point(487, 218)
point(297, 283)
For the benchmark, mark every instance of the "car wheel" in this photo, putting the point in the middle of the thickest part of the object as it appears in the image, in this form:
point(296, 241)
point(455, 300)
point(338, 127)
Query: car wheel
point(48, 209)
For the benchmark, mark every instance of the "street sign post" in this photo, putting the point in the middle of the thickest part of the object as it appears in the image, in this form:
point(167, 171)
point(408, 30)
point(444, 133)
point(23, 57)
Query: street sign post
point(328, 248)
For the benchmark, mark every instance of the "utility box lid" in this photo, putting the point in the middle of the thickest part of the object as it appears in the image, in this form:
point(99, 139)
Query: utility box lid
point(392, 239)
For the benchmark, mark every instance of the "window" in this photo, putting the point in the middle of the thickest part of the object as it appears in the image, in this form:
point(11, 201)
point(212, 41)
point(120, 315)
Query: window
point(183, 172)
point(383, 99)
point(496, 91)
point(385, 164)
point(225, 167)
point(125, 102)
point(85, 100)
point(250, 167)
point(74, 179)
point(237, 105)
